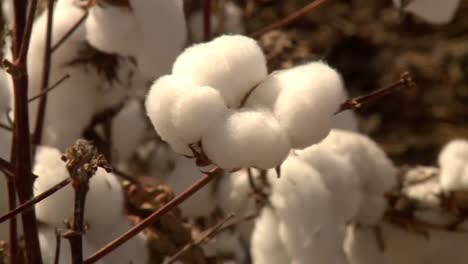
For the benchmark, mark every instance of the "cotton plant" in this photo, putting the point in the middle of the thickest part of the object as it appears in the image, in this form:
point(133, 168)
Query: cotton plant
point(140, 30)
point(453, 166)
point(235, 113)
point(228, 19)
point(432, 11)
point(105, 195)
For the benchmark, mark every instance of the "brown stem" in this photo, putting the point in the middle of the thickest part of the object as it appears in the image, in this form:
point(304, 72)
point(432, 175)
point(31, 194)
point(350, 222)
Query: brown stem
point(405, 81)
point(69, 32)
point(206, 20)
point(24, 179)
point(44, 92)
point(37, 136)
point(289, 19)
point(76, 236)
point(34, 200)
point(187, 193)
point(12, 225)
point(7, 168)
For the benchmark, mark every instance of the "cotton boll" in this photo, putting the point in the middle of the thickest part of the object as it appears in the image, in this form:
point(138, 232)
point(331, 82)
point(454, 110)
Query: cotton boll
point(128, 129)
point(240, 65)
point(307, 225)
point(160, 43)
point(226, 243)
point(105, 193)
point(361, 246)
point(246, 139)
point(113, 29)
point(160, 102)
point(305, 107)
point(195, 112)
point(7, 10)
point(266, 245)
point(433, 11)
point(185, 173)
point(266, 93)
point(453, 165)
point(134, 250)
point(339, 178)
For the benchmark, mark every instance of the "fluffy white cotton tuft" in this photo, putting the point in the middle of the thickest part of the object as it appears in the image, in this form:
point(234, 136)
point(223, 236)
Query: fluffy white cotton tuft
point(247, 139)
point(113, 29)
point(196, 112)
point(159, 104)
point(105, 193)
point(307, 225)
point(266, 245)
point(128, 130)
point(376, 173)
point(240, 65)
point(433, 11)
point(305, 107)
point(339, 177)
point(160, 43)
point(453, 162)
point(185, 173)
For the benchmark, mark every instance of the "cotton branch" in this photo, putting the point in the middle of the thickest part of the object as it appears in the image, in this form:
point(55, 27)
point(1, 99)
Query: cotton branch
point(70, 32)
point(46, 91)
point(82, 161)
point(289, 19)
point(187, 193)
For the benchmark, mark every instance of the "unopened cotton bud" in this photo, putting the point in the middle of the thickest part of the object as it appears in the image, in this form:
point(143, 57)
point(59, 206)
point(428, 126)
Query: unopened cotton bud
point(305, 108)
point(239, 66)
point(196, 111)
point(113, 29)
point(246, 139)
point(160, 102)
point(266, 245)
point(433, 11)
point(453, 162)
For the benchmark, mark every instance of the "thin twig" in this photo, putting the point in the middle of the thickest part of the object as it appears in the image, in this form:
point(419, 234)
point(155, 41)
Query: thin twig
point(69, 32)
point(206, 20)
point(405, 81)
point(37, 135)
point(187, 193)
point(44, 92)
point(208, 234)
point(289, 19)
point(35, 200)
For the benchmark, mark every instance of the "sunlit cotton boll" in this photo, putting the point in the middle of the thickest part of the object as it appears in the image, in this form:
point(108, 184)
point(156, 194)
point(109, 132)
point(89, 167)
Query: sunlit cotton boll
point(231, 64)
point(113, 29)
point(246, 139)
point(453, 162)
point(160, 43)
point(432, 11)
point(266, 245)
point(196, 111)
point(304, 206)
point(105, 193)
point(159, 106)
point(305, 108)
point(185, 173)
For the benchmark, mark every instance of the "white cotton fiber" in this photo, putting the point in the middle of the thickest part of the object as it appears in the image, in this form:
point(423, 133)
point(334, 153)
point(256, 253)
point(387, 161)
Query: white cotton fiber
point(128, 130)
point(5, 97)
point(105, 193)
point(266, 93)
point(184, 174)
point(339, 177)
point(226, 243)
point(160, 102)
point(163, 34)
point(361, 246)
point(433, 11)
point(307, 225)
point(247, 139)
point(239, 65)
point(305, 107)
point(113, 29)
point(266, 245)
point(196, 112)
point(453, 162)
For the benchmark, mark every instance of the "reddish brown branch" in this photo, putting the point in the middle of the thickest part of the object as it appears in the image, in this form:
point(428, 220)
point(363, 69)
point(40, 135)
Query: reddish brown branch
point(69, 32)
point(44, 92)
point(13, 224)
point(289, 19)
point(37, 136)
point(187, 193)
point(34, 200)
